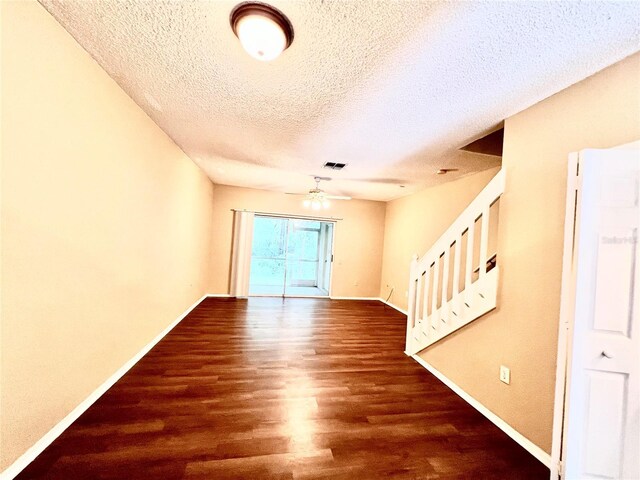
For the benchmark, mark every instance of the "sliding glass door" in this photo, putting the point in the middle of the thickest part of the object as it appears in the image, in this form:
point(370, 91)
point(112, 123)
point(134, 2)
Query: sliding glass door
point(268, 254)
point(291, 257)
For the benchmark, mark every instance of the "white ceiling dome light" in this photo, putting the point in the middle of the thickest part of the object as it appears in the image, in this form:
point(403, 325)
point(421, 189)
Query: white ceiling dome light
point(263, 31)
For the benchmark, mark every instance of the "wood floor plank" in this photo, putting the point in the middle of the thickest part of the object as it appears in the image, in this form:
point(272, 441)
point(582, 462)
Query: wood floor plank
point(293, 389)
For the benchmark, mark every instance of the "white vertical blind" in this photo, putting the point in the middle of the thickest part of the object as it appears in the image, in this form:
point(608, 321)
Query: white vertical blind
point(241, 253)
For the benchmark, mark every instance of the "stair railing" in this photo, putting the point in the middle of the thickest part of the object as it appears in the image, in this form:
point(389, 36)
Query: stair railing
point(456, 281)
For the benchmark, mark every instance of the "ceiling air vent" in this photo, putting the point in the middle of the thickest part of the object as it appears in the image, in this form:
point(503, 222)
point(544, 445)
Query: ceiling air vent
point(334, 166)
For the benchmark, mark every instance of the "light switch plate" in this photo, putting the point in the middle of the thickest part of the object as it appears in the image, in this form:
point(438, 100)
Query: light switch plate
point(505, 374)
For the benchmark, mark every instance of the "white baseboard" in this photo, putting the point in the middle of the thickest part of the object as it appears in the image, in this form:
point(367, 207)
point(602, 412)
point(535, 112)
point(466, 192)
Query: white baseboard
point(395, 307)
point(527, 444)
point(353, 298)
point(293, 297)
point(36, 449)
point(330, 297)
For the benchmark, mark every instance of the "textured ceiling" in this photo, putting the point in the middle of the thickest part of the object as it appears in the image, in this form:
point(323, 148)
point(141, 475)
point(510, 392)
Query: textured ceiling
point(392, 88)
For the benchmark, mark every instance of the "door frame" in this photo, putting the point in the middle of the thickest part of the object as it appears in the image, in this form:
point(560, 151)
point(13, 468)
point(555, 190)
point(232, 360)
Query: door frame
point(567, 311)
point(327, 249)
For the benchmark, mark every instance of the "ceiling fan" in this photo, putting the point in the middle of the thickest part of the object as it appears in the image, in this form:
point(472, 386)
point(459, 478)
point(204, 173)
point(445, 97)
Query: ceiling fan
point(318, 198)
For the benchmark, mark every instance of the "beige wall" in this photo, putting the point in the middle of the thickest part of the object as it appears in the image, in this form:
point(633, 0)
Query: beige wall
point(109, 232)
point(415, 222)
point(600, 112)
point(106, 227)
point(358, 237)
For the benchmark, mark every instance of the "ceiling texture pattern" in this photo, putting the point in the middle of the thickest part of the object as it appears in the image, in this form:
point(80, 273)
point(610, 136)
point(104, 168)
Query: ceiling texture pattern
point(391, 88)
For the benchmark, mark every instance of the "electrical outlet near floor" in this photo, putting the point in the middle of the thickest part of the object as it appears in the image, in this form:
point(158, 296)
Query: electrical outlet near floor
point(505, 374)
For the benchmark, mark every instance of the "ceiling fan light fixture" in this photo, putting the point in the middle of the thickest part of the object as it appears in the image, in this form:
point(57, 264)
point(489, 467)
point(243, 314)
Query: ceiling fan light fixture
point(317, 199)
point(264, 32)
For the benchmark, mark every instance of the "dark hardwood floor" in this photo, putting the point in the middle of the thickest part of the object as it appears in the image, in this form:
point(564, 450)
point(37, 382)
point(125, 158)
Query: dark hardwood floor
point(263, 388)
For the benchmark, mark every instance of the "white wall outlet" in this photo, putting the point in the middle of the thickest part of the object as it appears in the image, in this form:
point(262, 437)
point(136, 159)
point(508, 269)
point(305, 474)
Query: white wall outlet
point(505, 374)
point(406, 293)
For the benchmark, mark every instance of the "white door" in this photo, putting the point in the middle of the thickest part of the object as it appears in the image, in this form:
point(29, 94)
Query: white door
point(601, 426)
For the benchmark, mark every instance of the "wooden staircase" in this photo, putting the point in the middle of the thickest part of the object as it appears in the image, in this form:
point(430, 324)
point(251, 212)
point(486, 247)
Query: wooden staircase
point(456, 281)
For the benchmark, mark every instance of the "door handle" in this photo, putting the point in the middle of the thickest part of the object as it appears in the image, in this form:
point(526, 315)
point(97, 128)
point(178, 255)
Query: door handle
point(606, 354)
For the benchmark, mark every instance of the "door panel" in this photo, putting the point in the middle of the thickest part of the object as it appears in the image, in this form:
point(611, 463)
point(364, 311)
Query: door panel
point(602, 406)
point(614, 281)
point(303, 253)
point(606, 393)
point(268, 255)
